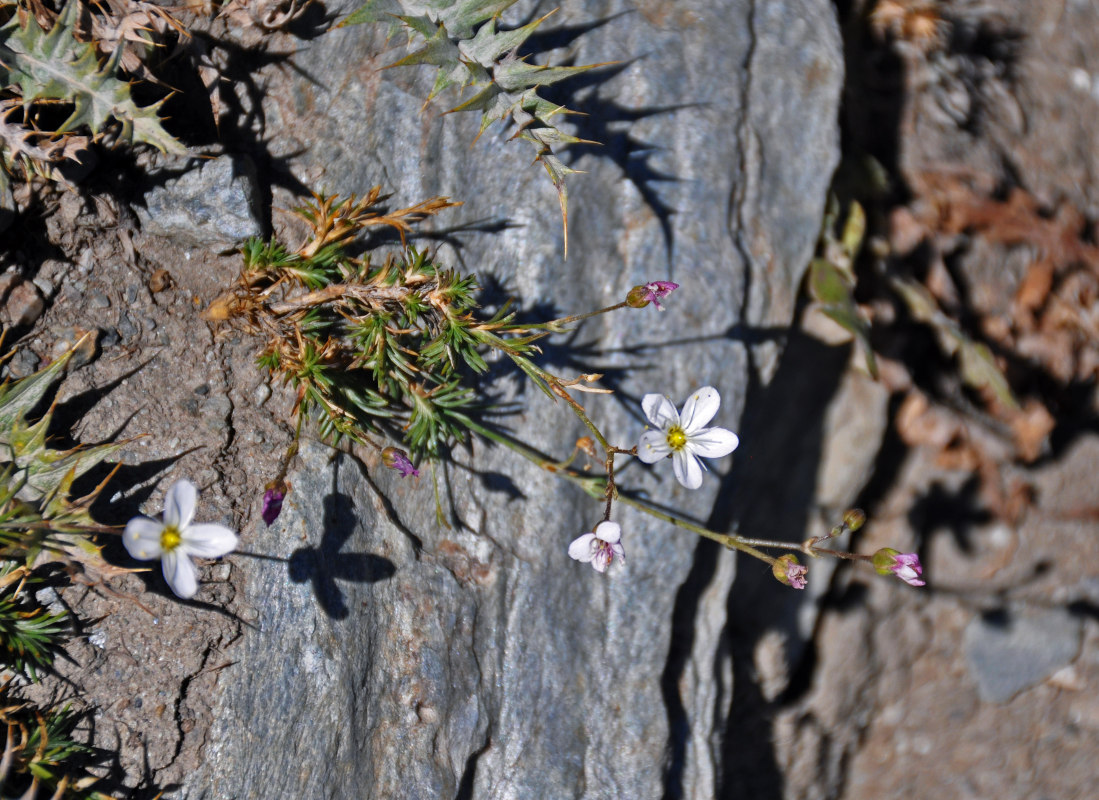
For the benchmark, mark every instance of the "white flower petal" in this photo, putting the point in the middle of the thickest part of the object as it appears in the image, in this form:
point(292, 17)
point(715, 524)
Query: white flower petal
point(601, 559)
point(687, 468)
point(660, 411)
point(699, 409)
point(180, 574)
point(207, 540)
point(179, 504)
point(608, 531)
point(142, 538)
point(713, 442)
point(581, 549)
point(653, 446)
point(619, 552)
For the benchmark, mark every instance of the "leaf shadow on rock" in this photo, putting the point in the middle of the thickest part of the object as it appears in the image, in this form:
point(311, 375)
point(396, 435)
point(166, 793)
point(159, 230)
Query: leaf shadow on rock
point(607, 128)
point(326, 565)
point(960, 511)
point(768, 492)
point(450, 234)
point(238, 129)
point(602, 122)
point(562, 351)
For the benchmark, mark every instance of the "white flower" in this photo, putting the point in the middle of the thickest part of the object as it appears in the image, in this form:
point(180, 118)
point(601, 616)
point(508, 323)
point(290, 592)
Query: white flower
point(176, 539)
point(682, 436)
point(599, 547)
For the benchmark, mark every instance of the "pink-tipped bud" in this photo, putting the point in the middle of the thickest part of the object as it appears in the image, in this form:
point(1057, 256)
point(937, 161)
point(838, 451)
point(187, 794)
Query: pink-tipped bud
point(905, 566)
point(397, 459)
point(641, 296)
point(275, 493)
point(786, 569)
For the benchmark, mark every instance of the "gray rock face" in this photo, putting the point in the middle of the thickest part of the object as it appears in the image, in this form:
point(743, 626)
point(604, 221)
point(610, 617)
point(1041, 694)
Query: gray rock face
point(1009, 654)
point(216, 205)
point(395, 657)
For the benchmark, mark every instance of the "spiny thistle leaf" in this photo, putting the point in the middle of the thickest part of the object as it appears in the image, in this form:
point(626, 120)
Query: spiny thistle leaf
point(460, 39)
point(45, 468)
point(53, 65)
point(36, 513)
point(19, 399)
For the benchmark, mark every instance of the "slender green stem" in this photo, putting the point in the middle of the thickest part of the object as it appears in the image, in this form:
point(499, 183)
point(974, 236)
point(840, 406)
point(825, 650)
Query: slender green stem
point(596, 485)
point(556, 325)
point(815, 551)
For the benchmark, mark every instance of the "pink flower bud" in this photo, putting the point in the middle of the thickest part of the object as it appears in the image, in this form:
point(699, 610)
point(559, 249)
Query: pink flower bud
point(641, 296)
point(272, 500)
point(397, 459)
point(905, 566)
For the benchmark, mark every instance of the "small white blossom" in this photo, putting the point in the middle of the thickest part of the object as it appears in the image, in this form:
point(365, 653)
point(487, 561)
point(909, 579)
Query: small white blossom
point(683, 436)
point(175, 540)
point(599, 548)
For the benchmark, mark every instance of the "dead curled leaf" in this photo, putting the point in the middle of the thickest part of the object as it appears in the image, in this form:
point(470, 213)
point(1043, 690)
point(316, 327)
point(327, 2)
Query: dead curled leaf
point(1031, 428)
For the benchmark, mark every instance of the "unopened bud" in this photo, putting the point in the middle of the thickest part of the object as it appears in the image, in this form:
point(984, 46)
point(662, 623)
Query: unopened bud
point(854, 519)
point(397, 459)
point(638, 297)
point(275, 492)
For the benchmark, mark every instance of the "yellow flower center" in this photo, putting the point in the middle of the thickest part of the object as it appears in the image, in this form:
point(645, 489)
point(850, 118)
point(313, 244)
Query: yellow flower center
point(169, 539)
point(676, 438)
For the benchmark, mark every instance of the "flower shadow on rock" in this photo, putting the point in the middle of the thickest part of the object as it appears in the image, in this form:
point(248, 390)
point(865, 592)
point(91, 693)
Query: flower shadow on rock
point(325, 564)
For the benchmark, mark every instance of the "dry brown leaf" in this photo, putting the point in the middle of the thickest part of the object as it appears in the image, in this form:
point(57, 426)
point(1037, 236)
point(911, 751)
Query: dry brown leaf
point(960, 456)
point(1034, 288)
point(1031, 428)
point(919, 423)
point(906, 232)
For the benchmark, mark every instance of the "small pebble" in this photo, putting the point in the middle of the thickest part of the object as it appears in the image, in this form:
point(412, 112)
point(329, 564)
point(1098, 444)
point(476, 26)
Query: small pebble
point(45, 286)
point(126, 327)
point(99, 300)
point(8, 280)
point(160, 280)
point(24, 305)
point(47, 596)
point(263, 391)
point(22, 364)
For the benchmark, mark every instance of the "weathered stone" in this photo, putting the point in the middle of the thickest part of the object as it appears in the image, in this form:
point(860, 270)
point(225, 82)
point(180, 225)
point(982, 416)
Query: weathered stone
point(1011, 651)
point(395, 657)
point(23, 305)
point(216, 205)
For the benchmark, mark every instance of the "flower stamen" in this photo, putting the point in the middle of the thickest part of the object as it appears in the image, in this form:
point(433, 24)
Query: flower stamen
point(677, 438)
point(169, 539)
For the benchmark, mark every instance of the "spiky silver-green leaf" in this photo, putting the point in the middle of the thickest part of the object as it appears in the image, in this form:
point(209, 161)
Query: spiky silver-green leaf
point(461, 40)
point(53, 65)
